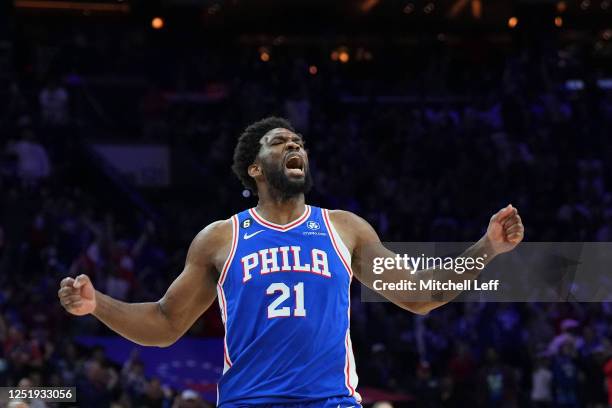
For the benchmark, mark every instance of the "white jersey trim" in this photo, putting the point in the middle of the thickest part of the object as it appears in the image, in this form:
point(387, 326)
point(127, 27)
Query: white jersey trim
point(232, 252)
point(350, 372)
point(278, 227)
point(227, 361)
point(337, 243)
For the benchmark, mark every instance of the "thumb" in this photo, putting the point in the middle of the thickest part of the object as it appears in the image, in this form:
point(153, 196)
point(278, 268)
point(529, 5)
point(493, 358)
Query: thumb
point(80, 281)
point(504, 213)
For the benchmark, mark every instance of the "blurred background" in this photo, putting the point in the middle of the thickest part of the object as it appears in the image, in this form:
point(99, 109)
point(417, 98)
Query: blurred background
point(117, 125)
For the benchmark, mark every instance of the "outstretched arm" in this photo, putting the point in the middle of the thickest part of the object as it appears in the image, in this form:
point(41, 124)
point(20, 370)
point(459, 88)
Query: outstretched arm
point(163, 322)
point(504, 232)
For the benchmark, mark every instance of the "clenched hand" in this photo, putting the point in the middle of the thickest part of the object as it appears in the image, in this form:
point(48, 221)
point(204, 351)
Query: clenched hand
point(505, 230)
point(77, 296)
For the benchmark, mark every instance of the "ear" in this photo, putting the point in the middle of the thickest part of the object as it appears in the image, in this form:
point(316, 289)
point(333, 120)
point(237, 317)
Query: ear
point(254, 170)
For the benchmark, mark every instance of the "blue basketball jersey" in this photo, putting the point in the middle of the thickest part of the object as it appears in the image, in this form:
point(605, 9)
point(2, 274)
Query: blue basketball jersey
point(285, 303)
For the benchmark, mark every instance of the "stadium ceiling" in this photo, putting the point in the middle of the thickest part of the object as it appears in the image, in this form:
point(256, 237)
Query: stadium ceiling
point(322, 17)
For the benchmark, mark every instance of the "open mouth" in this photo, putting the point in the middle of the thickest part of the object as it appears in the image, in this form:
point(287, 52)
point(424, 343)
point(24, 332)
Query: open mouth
point(294, 165)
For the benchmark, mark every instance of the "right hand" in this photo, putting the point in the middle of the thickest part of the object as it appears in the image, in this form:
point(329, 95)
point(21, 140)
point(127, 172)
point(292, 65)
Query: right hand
point(77, 296)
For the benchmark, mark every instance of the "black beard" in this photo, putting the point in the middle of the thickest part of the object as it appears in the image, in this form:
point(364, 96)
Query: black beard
point(282, 187)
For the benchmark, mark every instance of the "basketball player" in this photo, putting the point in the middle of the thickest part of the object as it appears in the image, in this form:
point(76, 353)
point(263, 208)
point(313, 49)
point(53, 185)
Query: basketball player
point(281, 272)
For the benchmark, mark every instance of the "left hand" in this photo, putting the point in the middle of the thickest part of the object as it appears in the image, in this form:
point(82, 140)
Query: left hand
point(505, 230)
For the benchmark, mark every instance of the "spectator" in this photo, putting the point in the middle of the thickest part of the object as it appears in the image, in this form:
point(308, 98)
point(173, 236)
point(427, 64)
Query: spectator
point(566, 377)
point(499, 382)
point(426, 387)
point(34, 402)
point(541, 383)
point(569, 330)
point(132, 376)
point(95, 386)
point(189, 399)
point(53, 101)
point(382, 404)
point(33, 163)
point(153, 396)
point(607, 369)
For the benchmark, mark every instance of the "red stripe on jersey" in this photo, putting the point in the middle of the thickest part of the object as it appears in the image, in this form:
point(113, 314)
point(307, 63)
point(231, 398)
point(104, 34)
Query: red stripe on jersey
point(230, 257)
point(228, 262)
point(348, 366)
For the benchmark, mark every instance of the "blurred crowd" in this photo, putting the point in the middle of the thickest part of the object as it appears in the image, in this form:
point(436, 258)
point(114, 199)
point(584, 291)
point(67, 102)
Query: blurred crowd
point(425, 153)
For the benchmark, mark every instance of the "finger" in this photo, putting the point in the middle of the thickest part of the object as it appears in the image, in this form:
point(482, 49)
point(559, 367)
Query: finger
point(515, 236)
point(515, 239)
point(513, 229)
point(515, 219)
point(67, 290)
point(67, 301)
point(72, 299)
point(80, 281)
point(504, 213)
point(67, 281)
point(74, 305)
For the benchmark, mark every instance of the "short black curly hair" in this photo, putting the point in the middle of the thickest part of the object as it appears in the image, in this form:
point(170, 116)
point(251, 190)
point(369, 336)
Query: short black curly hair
point(248, 146)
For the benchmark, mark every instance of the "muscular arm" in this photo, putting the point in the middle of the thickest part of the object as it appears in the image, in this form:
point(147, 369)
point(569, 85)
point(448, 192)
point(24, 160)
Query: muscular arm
point(504, 233)
point(163, 322)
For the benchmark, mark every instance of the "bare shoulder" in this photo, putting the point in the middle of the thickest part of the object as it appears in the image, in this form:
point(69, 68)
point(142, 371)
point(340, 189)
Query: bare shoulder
point(212, 244)
point(353, 229)
point(345, 218)
point(217, 231)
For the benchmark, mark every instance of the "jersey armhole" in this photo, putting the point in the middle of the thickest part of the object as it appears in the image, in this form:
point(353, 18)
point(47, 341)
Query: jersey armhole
point(232, 252)
point(338, 244)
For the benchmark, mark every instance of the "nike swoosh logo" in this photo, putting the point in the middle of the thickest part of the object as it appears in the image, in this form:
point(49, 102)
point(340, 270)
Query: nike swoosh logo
point(247, 236)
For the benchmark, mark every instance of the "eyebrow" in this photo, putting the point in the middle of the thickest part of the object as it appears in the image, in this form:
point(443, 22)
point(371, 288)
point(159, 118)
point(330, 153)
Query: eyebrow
point(293, 137)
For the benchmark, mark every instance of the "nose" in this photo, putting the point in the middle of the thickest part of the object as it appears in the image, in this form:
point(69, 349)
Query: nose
point(291, 145)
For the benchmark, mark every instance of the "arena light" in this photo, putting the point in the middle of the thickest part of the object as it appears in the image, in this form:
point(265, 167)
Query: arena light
point(343, 56)
point(429, 8)
point(409, 8)
point(264, 54)
point(585, 4)
point(367, 5)
point(460, 5)
point(561, 6)
point(558, 21)
point(512, 22)
point(157, 23)
point(476, 9)
point(312, 70)
point(334, 55)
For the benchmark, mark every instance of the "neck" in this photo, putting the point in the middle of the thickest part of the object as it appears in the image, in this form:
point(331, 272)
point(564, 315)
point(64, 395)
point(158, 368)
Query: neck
point(281, 211)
